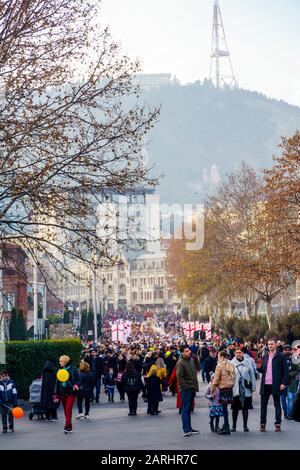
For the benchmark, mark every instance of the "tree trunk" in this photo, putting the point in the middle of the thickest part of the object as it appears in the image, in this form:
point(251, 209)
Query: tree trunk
point(268, 314)
point(256, 305)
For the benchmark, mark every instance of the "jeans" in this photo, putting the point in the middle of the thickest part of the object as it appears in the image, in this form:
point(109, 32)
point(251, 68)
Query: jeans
point(225, 414)
point(67, 403)
point(283, 399)
point(110, 391)
point(264, 405)
point(97, 384)
point(187, 397)
point(290, 399)
point(202, 364)
point(7, 416)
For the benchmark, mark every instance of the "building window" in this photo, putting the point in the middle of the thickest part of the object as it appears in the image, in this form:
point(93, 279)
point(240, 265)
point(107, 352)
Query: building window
point(9, 301)
point(122, 290)
point(110, 290)
point(134, 267)
point(134, 296)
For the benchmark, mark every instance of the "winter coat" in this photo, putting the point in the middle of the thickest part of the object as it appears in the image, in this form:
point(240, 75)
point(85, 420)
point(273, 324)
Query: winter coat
point(154, 389)
point(224, 375)
point(244, 369)
point(173, 379)
point(96, 366)
point(293, 371)
point(295, 413)
point(170, 362)
point(204, 353)
point(149, 361)
point(48, 384)
point(86, 385)
point(110, 362)
point(187, 375)
point(109, 380)
point(8, 393)
point(210, 364)
point(121, 366)
point(162, 373)
point(215, 401)
point(132, 382)
point(60, 389)
point(138, 365)
point(279, 372)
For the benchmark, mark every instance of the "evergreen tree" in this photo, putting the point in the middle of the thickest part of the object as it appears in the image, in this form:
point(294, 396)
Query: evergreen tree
point(66, 318)
point(83, 323)
point(21, 327)
point(99, 325)
point(13, 325)
point(90, 321)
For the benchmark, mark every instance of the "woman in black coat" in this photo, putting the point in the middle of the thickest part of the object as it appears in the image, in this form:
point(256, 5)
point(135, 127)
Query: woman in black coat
point(154, 394)
point(133, 384)
point(48, 386)
point(122, 361)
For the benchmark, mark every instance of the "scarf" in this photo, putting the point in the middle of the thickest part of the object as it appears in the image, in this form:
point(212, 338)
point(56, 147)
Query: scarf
point(64, 384)
point(241, 387)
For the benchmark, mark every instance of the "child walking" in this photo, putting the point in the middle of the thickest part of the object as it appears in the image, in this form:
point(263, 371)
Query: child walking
point(215, 407)
point(8, 399)
point(85, 392)
point(110, 382)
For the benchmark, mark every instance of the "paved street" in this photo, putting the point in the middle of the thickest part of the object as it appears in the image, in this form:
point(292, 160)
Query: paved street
point(109, 427)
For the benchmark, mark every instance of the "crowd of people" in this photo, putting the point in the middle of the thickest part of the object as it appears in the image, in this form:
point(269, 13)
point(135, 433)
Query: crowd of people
point(154, 366)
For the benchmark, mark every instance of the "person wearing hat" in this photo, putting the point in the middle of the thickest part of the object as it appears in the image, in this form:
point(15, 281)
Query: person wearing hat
point(288, 394)
point(171, 361)
point(210, 363)
point(8, 399)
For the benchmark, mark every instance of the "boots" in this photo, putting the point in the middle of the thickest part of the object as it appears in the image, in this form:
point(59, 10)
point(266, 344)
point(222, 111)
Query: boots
point(224, 430)
point(212, 428)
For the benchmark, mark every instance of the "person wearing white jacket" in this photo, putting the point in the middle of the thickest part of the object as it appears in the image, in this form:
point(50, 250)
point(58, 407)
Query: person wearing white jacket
point(244, 386)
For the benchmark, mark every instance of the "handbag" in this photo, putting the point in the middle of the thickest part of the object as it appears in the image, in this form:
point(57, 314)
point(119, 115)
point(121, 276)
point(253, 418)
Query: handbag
point(247, 383)
point(119, 376)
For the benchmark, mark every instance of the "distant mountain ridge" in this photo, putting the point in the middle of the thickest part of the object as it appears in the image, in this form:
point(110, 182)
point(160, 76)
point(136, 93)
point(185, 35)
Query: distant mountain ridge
point(204, 132)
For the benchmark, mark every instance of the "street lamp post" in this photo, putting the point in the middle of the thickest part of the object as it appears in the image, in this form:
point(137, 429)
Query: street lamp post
point(35, 299)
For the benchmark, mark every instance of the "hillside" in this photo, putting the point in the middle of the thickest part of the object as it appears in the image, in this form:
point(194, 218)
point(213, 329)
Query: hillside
point(204, 133)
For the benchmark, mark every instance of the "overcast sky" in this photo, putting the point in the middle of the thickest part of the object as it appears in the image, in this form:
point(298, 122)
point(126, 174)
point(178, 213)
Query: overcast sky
point(175, 36)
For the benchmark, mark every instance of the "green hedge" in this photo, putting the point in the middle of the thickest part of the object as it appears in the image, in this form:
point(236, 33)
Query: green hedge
point(25, 359)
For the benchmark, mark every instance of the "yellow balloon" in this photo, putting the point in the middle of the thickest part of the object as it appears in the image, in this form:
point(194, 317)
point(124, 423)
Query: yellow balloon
point(62, 375)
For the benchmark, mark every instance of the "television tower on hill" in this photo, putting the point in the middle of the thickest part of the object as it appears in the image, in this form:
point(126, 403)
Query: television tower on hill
point(220, 73)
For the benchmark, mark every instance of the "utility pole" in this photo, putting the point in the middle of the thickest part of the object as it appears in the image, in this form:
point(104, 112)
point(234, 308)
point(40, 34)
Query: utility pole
point(2, 324)
point(94, 296)
point(35, 299)
point(219, 50)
